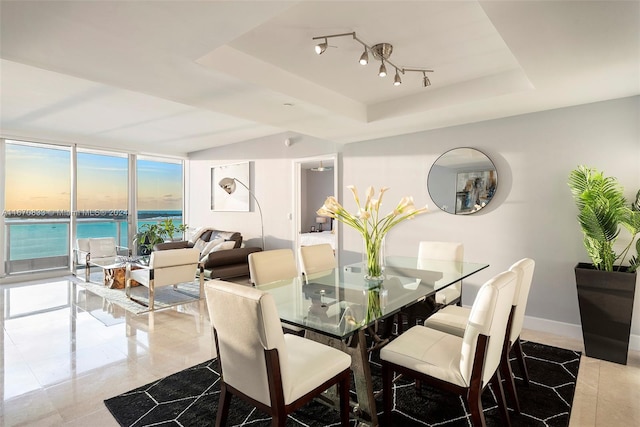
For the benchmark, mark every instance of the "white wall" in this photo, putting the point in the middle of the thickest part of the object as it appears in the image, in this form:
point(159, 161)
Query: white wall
point(532, 213)
point(271, 171)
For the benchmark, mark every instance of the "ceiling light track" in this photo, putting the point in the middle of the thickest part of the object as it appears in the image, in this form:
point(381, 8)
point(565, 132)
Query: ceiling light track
point(380, 52)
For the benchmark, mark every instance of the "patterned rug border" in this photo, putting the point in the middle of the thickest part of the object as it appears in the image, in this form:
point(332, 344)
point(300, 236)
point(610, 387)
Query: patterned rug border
point(189, 398)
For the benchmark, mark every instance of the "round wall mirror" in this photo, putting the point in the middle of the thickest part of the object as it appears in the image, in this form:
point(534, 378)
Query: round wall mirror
point(462, 181)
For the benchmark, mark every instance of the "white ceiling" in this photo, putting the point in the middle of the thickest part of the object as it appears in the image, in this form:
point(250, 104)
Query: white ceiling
point(175, 77)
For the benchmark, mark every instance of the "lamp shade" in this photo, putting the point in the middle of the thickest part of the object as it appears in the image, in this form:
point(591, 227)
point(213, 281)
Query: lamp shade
point(228, 185)
point(321, 219)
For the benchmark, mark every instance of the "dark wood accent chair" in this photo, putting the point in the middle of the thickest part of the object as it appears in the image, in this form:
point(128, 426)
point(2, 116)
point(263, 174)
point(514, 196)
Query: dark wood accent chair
point(278, 373)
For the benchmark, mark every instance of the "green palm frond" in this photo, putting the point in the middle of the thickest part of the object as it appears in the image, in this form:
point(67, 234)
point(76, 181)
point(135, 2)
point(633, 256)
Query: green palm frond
point(602, 211)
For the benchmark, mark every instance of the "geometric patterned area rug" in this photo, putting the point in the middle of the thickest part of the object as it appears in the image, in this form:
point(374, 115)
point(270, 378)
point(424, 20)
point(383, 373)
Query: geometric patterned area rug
point(190, 398)
point(165, 296)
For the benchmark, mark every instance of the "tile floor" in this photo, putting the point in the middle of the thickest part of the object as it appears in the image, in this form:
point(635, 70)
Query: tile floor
point(65, 350)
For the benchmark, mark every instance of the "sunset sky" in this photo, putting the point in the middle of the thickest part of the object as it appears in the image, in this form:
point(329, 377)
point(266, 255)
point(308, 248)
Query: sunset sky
point(40, 179)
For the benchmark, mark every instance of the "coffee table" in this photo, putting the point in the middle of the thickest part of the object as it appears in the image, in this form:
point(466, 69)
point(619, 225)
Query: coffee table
point(115, 270)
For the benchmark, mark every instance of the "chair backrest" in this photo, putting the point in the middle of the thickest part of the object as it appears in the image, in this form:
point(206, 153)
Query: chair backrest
point(246, 323)
point(102, 247)
point(442, 251)
point(524, 269)
point(489, 316)
point(269, 266)
point(317, 258)
point(173, 266)
point(82, 245)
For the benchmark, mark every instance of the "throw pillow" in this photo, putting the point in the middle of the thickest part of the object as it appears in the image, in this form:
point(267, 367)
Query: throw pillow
point(226, 245)
point(200, 244)
point(208, 246)
point(198, 234)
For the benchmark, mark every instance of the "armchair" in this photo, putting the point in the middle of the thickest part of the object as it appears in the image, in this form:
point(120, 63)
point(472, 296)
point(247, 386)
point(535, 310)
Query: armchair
point(169, 267)
point(97, 249)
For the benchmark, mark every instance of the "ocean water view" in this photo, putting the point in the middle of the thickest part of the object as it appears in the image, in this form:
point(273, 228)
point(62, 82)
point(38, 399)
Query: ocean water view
point(48, 235)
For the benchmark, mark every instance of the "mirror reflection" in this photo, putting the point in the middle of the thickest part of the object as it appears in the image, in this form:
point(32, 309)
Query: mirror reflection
point(462, 181)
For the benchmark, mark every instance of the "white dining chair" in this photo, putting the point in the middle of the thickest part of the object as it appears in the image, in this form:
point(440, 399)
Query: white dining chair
point(462, 365)
point(444, 251)
point(275, 372)
point(271, 266)
point(454, 319)
point(317, 260)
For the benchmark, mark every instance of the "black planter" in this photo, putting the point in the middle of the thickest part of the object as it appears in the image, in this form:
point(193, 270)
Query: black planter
point(606, 307)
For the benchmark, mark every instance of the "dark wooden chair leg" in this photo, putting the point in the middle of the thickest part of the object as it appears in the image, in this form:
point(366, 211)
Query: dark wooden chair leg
point(507, 374)
point(223, 406)
point(517, 347)
point(343, 388)
point(496, 382)
point(387, 398)
point(475, 406)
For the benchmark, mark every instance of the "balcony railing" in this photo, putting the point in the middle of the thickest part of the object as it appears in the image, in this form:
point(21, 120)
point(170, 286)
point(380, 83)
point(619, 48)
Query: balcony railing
point(36, 245)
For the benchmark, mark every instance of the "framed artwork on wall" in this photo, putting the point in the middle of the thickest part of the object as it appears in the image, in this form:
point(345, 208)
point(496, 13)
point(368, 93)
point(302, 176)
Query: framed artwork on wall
point(225, 194)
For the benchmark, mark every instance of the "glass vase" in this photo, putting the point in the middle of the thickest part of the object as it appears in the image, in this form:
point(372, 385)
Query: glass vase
point(376, 301)
point(373, 258)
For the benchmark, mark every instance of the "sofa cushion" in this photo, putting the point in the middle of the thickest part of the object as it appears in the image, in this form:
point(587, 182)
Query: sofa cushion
point(227, 235)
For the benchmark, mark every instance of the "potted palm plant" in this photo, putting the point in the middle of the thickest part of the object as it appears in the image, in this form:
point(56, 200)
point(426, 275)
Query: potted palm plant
point(606, 286)
point(169, 228)
point(147, 237)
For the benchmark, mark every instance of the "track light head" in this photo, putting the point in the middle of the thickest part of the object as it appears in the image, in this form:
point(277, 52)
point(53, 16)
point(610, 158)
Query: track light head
point(396, 80)
point(381, 52)
point(321, 47)
point(383, 70)
point(364, 58)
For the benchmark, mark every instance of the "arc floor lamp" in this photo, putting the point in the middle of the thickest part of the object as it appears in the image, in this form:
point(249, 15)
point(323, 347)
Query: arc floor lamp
point(228, 184)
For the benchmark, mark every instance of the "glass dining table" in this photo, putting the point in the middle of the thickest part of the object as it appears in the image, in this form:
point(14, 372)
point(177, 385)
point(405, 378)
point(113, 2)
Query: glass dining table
point(340, 308)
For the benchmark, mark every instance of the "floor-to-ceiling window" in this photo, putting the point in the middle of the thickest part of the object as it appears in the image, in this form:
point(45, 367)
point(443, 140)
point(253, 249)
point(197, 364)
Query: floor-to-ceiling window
point(102, 188)
point(55, 194)
point(159, 191)
point(37, 206)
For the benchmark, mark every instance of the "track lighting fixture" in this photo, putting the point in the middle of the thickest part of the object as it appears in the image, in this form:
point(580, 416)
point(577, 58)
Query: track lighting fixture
point(364, 58)
point(396, 79)
point(383, 70)
point(381, 52)
point(425, 80)
point(321, 47)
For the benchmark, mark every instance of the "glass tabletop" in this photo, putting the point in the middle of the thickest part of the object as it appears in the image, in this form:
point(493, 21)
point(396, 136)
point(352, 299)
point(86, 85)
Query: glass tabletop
point(339, 302)
point(119, 261)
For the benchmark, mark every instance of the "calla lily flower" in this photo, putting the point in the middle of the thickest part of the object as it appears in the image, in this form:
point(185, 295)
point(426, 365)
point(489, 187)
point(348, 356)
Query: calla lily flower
point(367, 222)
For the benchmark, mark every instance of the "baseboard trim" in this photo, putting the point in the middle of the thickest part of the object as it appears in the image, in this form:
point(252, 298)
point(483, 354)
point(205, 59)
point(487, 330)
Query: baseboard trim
point(568, 330)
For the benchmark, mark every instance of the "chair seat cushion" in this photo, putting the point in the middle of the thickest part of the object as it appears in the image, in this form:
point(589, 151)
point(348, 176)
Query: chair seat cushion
point(311, 364)
point(450, 319)
point(448, 295)
point(427, 351)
